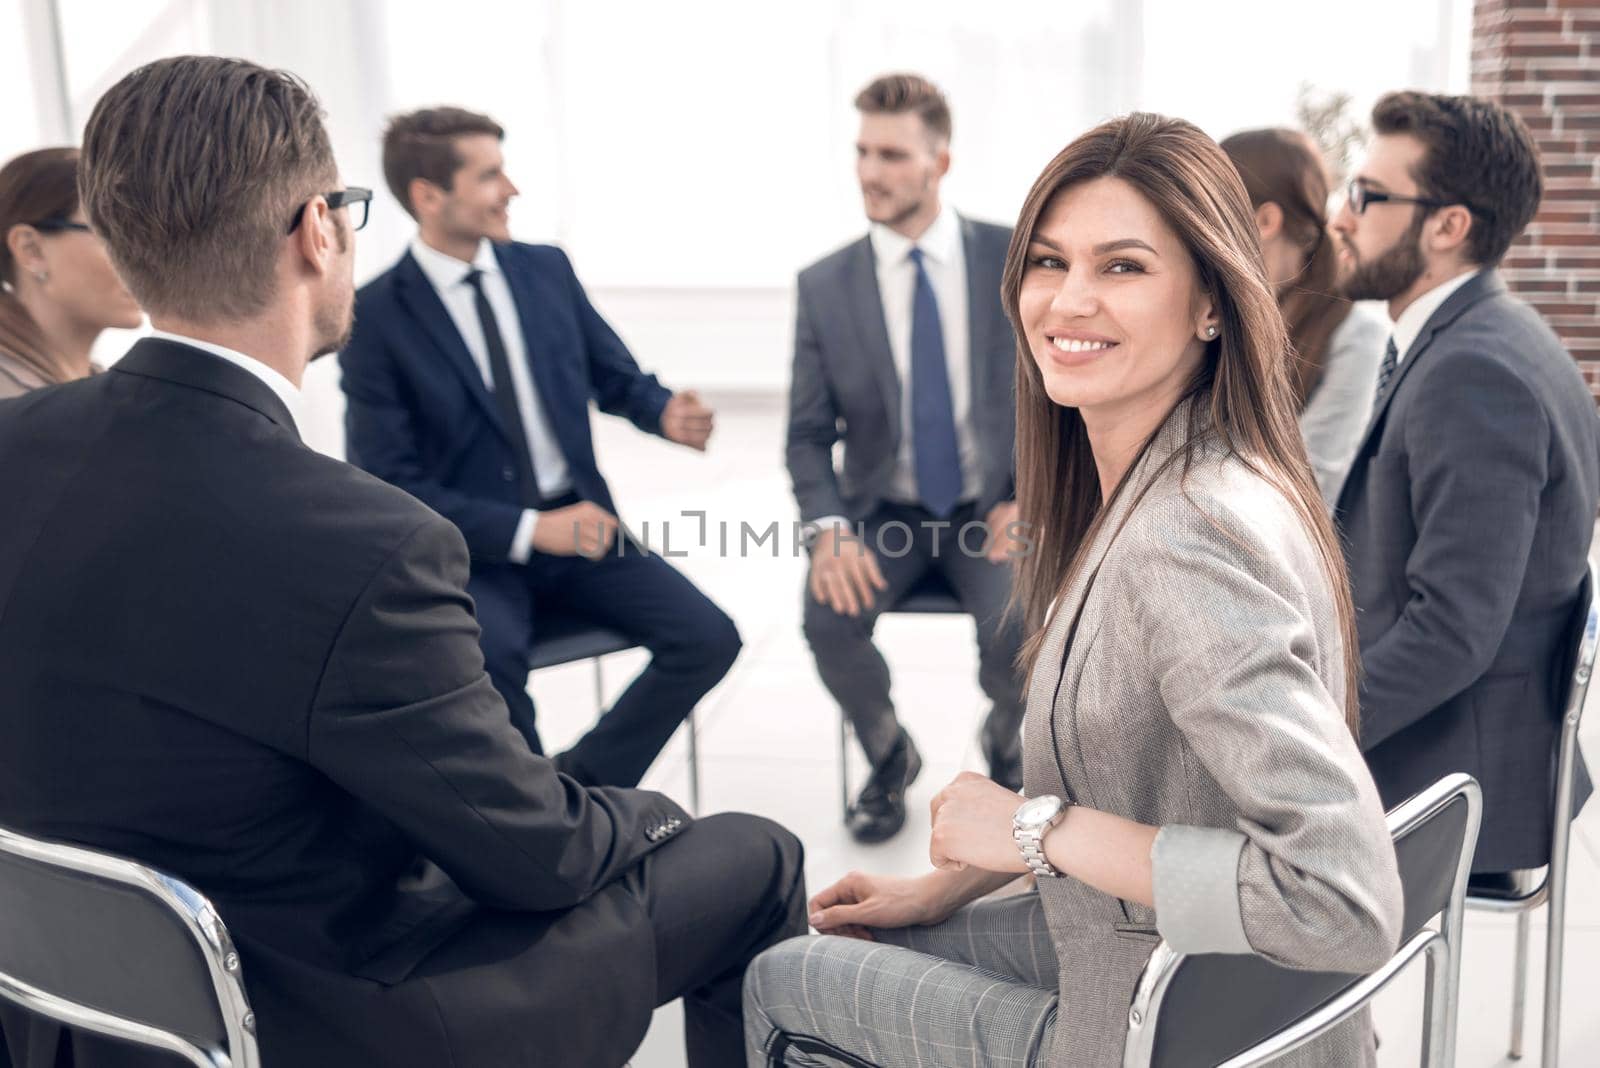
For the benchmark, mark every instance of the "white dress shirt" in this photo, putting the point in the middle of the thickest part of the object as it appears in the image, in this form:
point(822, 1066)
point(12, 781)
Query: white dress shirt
point(944, 259)
point(1419, 311)
point(449, 278)
point(286, 390)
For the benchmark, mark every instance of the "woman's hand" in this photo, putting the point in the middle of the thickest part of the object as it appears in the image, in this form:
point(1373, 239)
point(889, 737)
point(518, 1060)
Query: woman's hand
point(972, 826)
point(860, 901)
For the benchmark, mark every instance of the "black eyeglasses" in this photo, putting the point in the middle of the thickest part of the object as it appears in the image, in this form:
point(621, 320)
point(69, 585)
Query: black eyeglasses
point(1360, 198)
point(56, 226)
point(356, 198)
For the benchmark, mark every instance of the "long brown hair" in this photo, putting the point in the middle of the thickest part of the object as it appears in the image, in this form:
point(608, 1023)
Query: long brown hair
point(1283, 167)
point(1241, 390)
point(34, 186)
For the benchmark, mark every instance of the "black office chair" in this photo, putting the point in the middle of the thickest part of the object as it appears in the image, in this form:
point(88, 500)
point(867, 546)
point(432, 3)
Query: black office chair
point(1239, 1010)
point(1535, 888)
point(562, 639)
point(107, 945)
point(932, 595)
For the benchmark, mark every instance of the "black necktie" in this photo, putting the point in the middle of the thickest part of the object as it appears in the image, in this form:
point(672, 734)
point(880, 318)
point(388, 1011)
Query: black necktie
point(505, 393)
point(1391, 360)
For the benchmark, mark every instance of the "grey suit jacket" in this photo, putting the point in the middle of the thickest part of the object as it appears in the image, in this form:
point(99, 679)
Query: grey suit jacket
point(1468, 513)
point(845, 385)
point(1202, 692)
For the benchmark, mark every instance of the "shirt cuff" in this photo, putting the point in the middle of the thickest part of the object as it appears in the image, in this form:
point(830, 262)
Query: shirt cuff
point(522, 539)
point(1195, 871)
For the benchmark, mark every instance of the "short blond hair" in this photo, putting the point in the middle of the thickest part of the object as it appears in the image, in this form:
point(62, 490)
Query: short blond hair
point(896, 94)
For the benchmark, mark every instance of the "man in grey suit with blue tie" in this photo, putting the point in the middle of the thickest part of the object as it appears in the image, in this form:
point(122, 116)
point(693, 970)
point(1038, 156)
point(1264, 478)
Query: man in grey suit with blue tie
point(1470, 506)
point(903, 353)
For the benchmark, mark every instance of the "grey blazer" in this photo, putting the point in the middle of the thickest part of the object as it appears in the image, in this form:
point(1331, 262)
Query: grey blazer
point(1202, 692)
point(845, 386)
point(1468, 514)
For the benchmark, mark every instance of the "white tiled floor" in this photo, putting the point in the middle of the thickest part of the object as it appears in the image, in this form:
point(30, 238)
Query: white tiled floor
point(769, 732)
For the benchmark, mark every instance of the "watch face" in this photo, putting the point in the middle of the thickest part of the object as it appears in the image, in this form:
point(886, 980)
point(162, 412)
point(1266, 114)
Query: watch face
point(1038, 810)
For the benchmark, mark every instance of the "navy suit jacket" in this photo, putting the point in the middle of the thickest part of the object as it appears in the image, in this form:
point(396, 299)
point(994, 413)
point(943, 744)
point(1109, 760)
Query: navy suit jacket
point(418, 413)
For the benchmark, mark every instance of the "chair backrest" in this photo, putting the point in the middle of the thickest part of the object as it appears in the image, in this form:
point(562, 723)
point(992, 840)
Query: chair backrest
point(108, 945)
point(1208, 1008)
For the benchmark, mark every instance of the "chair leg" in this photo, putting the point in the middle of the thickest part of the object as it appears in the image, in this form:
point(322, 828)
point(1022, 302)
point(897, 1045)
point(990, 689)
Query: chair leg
point(844, 764)
point(1437, 1019)
point(1519, 987)
point(694, 763)
point(1555, 943)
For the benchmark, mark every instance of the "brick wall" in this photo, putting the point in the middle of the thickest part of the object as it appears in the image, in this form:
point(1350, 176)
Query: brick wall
point(1541, 59)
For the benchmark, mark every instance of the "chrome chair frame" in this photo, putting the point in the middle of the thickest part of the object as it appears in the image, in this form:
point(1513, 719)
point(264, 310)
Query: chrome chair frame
point(204, 926)
point(1551, 888)
point(1442, 949)
point(611, 641)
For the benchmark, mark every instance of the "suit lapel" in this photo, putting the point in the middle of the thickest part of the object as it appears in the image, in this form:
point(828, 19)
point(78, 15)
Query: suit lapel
point(866, 306)
point(978, 311)
point(1052, 687)
point(1172, 436)
point(1485, 284)
point(540, 346)
point(422, 301)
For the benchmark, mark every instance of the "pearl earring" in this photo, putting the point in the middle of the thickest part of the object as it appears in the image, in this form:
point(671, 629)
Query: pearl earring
point(1211, 332)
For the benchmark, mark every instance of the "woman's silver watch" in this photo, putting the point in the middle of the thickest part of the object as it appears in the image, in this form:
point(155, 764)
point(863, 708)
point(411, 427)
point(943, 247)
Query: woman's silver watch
point(1034, 818)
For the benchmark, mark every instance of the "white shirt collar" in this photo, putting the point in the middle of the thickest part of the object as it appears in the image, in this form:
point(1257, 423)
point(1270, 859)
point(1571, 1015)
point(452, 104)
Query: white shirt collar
point(444, 270)
point(941, 242)
point(285, 389)
point(1419, 311)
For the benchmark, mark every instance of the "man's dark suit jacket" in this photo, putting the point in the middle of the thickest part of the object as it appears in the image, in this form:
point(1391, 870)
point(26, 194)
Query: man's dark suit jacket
point(1468, 515)
point(420, 417)
point(255, 667)
point(844, 376)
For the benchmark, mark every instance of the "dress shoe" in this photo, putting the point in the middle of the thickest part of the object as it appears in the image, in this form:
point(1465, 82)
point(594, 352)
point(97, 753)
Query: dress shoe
point(1004, 769)
point(1007, 773)
point(880, 808)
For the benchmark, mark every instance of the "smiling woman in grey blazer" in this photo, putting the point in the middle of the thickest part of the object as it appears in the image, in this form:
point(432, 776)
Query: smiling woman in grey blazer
point(1188, 754)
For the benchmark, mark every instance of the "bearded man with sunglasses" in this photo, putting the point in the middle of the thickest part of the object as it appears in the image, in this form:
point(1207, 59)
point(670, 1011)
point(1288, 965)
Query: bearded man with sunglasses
point(1470, 505)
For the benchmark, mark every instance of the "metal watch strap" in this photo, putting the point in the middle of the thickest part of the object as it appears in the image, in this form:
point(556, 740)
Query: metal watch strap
point(1031, 843)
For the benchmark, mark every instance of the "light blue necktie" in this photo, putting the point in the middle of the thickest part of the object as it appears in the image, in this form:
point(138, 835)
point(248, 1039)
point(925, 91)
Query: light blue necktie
point(933, 421)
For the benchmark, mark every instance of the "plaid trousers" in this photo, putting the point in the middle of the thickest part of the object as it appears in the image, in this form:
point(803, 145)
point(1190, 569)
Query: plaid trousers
point(977, 991)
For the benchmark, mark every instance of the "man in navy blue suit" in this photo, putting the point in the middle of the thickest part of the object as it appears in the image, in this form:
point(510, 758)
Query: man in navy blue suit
point(468, 379)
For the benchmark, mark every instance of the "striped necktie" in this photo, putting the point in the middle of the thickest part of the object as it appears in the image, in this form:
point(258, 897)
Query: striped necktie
point(1391, 359)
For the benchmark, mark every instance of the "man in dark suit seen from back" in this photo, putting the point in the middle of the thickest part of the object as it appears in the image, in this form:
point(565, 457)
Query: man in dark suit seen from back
point(255, 667)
